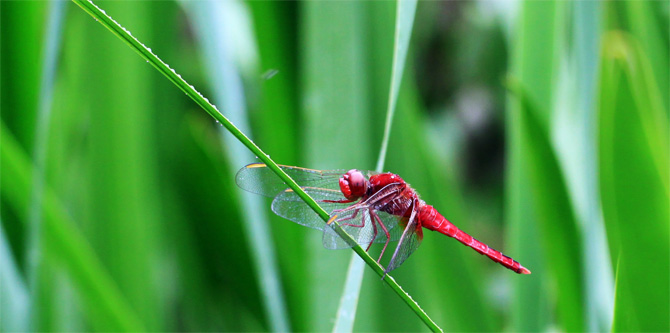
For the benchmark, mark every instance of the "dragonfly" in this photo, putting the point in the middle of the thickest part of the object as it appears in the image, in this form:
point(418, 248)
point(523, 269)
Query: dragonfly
point(371, 207)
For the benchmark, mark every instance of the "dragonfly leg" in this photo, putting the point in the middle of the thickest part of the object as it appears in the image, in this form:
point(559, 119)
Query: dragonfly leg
point(357, 206)
point(374, 227)
point(388, 236)
point(360, 226)
point(338, 201)
point(351, 218)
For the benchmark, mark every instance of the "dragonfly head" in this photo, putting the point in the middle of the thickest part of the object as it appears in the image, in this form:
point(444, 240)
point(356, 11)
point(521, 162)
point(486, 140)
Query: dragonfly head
point(353, 184)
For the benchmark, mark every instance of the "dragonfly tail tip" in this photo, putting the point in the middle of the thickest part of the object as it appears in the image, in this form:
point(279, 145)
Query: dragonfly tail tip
point(523, 270)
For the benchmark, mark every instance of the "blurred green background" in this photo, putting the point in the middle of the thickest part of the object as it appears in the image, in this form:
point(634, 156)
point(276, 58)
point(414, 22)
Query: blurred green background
point(539, 127)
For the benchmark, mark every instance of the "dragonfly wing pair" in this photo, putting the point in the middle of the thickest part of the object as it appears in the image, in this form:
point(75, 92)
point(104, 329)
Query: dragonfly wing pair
point(364, 225)
point(323, 187)
point(362, 220)
point(258, 178)
point(411, 237)
point(290, 206)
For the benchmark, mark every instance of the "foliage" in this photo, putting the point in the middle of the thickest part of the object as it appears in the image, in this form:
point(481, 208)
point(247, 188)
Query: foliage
point(120, 212)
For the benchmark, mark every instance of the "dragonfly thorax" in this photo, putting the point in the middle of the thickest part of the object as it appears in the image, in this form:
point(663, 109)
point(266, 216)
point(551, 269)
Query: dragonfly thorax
point(381, 180)
point(353, 184)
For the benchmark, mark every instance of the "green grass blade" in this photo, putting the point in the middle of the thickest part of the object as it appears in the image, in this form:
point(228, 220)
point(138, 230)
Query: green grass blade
point(219, 57)
point(14, 297)
point(574, 133)
point(447, 276)
point(119, 212)
point(39, 273)
point(103, 303)
point(21, 42)
point(162, 67)
point(405, 12)
point(534, 63)
point(196, 96)
point(633, 157)
point(346, 311)
point(645, 23)
point(555, 215)
point(275, 122)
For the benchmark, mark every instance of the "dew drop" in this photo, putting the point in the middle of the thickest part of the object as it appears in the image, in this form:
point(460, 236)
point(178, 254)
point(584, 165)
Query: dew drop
point(269, 74)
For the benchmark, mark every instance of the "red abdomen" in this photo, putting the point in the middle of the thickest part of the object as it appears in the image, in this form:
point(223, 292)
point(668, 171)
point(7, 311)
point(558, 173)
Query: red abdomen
point(433, 220)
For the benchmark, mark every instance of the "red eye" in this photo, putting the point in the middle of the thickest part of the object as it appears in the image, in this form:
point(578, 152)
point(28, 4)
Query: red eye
point(353, 184)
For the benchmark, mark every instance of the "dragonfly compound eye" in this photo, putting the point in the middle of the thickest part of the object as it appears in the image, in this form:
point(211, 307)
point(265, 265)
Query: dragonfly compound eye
point(353, 184)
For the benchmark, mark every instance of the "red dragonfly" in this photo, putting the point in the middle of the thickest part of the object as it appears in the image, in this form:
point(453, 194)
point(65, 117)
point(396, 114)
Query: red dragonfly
point(371, 207)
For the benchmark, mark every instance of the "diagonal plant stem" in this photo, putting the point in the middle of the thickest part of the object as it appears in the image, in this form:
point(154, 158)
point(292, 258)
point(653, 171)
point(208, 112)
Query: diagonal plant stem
point(196, 96)
point(217, 53)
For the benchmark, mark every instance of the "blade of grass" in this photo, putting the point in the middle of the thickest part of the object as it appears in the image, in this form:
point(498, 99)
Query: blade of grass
point(405, 12)
point(171, 75)
point(38, 271)
point(534, 62)
point(346, 311)
point(102, 300)
point(598, 269)
point(336, 103)
point(121, 215)
point(644, 23)
point(14, 297)
point(273, 114)
point(633, 163)
point(445, 274)
point(214, 35)
point(573, 134)
point(555, 214)
point(21, 42)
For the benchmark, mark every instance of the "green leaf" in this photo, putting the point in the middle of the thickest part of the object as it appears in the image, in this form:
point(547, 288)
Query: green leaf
point(535, 63)
point(645, 22)
point(334, 109)
point(405, 12)
point(633, 152)
point(22, 33)
point(448, 277)
point(555, 216)
point(14, 297)
point(103, 303)
point(221, 58)
point(313, 147)
point(45, 290)
point(576, 146)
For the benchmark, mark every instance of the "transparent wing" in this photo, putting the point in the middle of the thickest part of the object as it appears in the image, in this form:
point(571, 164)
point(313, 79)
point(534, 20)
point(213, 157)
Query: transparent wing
point(356, 222)
point(409, 241)
point(364, 225)
point(258, 178)
point(363, 222)
point(289, 205)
